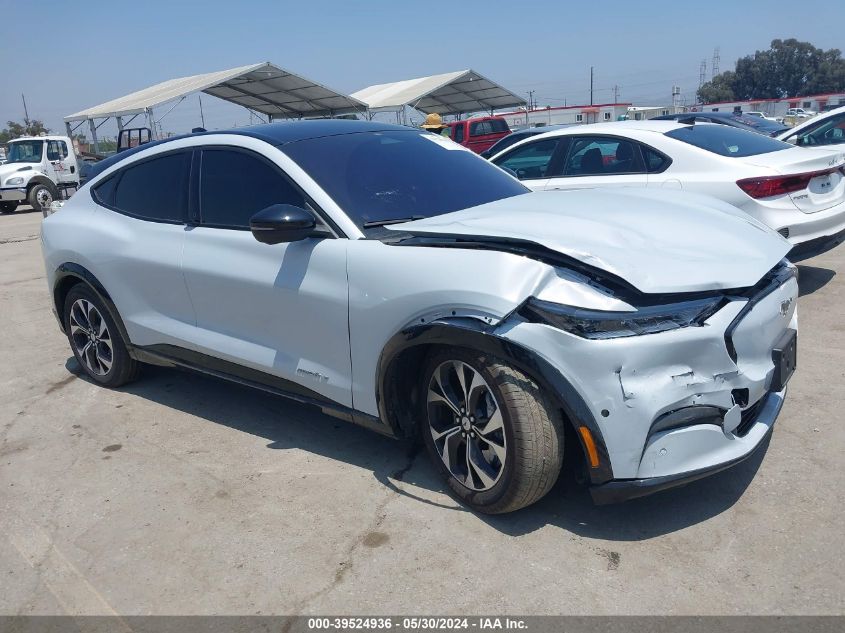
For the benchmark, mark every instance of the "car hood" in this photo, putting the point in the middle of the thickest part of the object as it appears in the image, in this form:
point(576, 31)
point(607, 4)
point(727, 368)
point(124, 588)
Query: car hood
point(657, 241)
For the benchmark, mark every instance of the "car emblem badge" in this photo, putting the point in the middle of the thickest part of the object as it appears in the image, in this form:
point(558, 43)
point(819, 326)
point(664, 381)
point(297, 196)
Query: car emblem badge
point(784, 306)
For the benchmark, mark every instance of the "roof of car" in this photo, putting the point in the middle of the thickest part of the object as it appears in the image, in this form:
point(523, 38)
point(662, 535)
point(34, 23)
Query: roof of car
point(293, 131)
point(274, 133)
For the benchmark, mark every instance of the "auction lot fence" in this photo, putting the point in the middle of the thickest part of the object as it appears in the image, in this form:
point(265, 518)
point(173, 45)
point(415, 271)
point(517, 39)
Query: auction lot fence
point(422, 624)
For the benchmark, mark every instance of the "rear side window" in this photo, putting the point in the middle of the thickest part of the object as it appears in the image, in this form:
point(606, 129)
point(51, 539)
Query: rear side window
point(155, 189)
point(654, 161)
point(727, 141)
point(490, 126)
point(598, 156)
point(236, 185)
point(480, 128)
point(104, 192)
point(459, 133)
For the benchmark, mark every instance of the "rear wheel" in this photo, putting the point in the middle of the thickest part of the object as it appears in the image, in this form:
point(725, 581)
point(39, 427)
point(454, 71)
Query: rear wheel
point(8, 207)
point(490, 431)
point(95, 339)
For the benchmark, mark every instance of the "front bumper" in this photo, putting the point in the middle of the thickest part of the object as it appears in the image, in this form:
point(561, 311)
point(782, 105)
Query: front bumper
point(629, 385)
point(619, 490)
point(12, 194)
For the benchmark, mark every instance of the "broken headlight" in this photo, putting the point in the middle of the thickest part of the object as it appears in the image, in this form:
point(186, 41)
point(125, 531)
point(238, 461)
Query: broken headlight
point(597, 324)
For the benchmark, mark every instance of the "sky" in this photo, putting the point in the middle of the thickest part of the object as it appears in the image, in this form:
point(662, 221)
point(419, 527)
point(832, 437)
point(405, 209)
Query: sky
point(93, 51)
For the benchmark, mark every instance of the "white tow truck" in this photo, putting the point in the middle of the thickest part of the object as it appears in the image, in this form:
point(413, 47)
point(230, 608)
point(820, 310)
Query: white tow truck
point(37, 171)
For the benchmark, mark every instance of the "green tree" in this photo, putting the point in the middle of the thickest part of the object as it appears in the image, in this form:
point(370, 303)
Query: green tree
point(789, 68)
point(15, 129)
point(720, 89)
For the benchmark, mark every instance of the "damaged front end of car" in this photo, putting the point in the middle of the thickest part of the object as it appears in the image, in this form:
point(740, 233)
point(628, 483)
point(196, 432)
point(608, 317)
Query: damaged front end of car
point(680, 389)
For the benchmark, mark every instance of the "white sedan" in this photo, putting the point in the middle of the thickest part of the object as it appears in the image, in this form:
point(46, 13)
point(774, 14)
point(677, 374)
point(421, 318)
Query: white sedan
point(798, 192)
point(825, 129)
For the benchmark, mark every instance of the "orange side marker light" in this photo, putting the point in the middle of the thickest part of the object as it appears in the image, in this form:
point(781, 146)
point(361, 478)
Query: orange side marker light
point(590, 443)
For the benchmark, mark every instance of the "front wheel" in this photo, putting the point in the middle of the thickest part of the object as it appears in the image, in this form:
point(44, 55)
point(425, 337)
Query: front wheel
point(40, 197)
point(490, 431)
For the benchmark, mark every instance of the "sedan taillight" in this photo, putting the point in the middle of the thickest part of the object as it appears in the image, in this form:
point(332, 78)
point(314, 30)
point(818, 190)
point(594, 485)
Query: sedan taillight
point(769, 186)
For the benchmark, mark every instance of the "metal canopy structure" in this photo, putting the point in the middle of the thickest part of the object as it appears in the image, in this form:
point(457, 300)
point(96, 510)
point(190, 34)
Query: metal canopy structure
point(264, 88)
point(455, 93)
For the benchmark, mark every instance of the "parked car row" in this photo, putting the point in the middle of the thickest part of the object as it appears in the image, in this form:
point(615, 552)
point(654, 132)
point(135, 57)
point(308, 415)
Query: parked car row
point(397, 280)
point(743, 121)
point(798, 192)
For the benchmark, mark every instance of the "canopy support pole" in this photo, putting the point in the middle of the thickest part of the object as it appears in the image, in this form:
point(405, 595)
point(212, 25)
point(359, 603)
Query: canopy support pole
point(151, 123)
point(93, 129)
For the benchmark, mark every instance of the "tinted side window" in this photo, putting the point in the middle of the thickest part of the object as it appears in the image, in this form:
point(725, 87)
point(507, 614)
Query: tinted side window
point(828, 132)
point(54, 151)
point(480, 128)
point(597, 156)
point(459, 133)
point(654, 161)
point(155, 189)
point(530, 160)
point(235, 185)
point(104, 192)
point(499, 125)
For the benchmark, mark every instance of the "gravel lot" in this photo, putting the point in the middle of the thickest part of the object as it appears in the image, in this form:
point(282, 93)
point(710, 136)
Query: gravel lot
point(184, 494)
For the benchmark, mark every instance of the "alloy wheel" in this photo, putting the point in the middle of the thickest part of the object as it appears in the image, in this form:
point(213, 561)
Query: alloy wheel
point(91, 337)
point(466, 424)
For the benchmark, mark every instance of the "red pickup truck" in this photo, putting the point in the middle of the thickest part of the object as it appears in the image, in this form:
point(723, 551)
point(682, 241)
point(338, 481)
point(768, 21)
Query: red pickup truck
point(479, 134)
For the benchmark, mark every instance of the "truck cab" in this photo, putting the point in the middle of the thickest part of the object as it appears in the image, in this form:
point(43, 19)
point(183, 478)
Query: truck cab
point(37, 170)
point(479, 134)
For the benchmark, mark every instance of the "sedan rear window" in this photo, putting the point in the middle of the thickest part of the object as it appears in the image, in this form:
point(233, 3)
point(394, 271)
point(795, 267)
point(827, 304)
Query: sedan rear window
point(727, 141)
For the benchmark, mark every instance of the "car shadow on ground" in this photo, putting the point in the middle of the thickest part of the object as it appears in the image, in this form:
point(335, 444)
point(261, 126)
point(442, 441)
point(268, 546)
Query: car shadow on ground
point(23, 209)
point(812, 278)
point(404, 467)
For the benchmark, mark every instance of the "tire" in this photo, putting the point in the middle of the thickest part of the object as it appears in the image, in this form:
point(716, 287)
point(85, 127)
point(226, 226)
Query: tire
point(41, 196)
point(8, 207)
point(95, 339)
point(496, 463)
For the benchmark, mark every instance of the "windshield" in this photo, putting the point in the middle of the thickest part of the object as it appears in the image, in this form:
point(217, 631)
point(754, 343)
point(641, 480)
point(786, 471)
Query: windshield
point(727, 141)
point(25, 152)
point(397, 174)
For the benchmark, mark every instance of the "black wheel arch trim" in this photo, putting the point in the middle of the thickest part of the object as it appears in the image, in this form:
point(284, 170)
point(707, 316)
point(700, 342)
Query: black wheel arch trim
point(42, 180)
point(70, 270)
point(477, 335)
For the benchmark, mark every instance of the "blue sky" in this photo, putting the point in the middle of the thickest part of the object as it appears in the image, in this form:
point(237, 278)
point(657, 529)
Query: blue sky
point(92, 51)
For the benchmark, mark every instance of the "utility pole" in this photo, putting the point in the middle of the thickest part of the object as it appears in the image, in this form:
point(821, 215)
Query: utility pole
point(715, 66)
point(702, 73)
point(591, 85)
point(616, 93)
point(25, 111)
point(530, 100)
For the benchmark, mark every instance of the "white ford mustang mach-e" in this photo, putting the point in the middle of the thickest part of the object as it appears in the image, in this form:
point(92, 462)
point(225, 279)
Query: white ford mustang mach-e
point(395, 279)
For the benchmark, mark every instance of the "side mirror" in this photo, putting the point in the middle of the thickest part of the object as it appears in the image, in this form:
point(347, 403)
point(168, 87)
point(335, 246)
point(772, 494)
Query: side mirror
point(280, 223)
